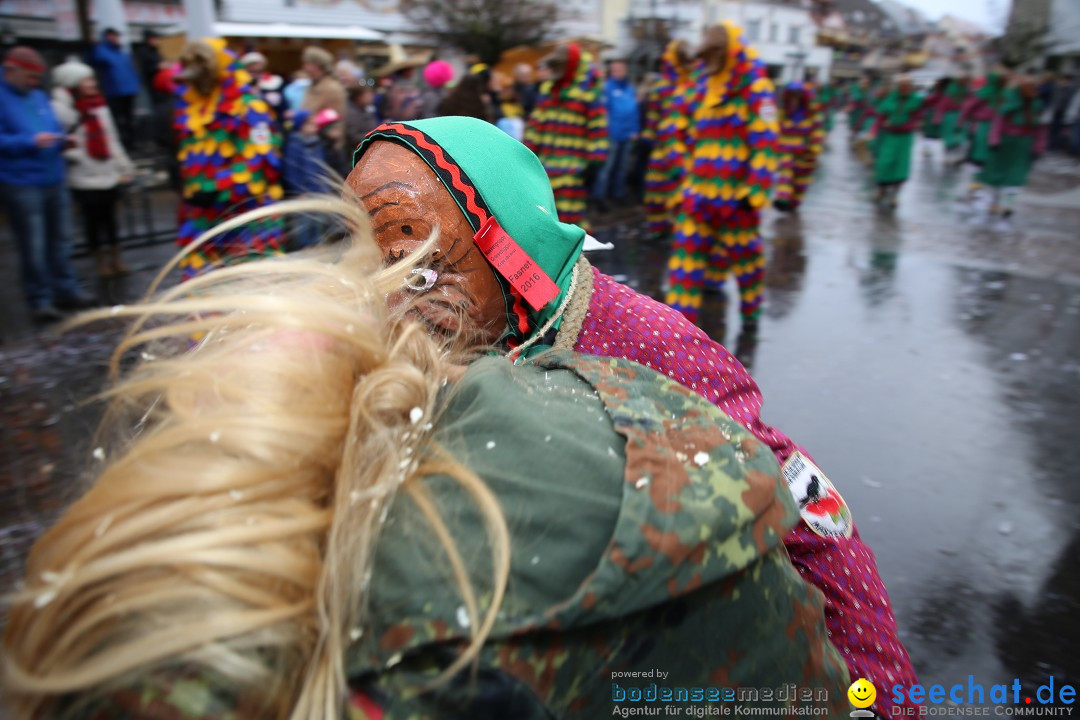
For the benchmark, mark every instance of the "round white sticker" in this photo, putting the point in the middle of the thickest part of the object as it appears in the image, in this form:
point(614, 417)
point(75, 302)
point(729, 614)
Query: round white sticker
point(768, 111)
point(260, 134)
point(820, 504)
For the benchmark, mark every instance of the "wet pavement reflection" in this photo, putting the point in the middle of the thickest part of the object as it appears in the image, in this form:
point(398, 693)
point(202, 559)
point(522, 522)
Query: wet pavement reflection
point(929, 362)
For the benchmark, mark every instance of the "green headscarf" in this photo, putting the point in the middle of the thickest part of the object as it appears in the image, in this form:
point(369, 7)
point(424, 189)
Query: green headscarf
point(1016, 112)
point(993, 92)
point(489, 174)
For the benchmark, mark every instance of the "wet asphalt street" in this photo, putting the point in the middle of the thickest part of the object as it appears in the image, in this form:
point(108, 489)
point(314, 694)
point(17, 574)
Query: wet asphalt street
point(929, 361)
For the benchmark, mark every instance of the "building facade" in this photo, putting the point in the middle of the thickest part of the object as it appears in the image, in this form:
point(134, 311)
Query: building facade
point(1043, 34)
point(784, 34)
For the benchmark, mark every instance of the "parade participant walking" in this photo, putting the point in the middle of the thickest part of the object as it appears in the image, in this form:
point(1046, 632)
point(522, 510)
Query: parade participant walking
point(1018, 136)
point(230, 157)
point(976, 118)
point(828, 95)
point(568, 129)
point(96, 160)
point(857, 104)
point(948, 114)
point(931, 125)
point(731, 142)
point(664, 128)
point(802, 136)
point(450, 173)
point(119, 81)
point(32, 188)
point(898, 118)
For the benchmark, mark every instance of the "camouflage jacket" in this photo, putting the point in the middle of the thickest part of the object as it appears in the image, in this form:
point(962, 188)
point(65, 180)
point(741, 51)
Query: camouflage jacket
point(646, 531)
point(646, 537)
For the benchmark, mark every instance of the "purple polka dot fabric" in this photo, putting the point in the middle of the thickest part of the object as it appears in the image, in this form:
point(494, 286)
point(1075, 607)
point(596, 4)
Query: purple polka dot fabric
point(625, 324)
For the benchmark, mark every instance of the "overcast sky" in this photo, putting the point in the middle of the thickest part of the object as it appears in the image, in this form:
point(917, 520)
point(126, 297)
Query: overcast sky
point(988, 13)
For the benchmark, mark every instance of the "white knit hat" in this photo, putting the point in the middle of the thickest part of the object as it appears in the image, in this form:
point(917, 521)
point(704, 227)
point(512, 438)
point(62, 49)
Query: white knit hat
point(71, 74)
point(253, 57)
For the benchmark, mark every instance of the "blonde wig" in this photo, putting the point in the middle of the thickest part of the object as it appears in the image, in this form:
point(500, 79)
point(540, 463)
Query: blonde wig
point(270, 413)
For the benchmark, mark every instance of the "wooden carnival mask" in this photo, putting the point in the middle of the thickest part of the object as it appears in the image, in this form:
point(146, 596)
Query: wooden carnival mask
point(715, 46)
point(407, 202)
point(200, 67)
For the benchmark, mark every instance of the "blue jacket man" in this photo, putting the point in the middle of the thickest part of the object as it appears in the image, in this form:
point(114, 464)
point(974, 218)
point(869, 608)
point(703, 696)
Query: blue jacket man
point(624, 124)
point(624, 116)
point(32, 187)
point(119, 80)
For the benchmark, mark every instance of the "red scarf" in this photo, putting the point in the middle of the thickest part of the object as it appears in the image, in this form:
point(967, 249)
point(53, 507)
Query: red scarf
point(97, 145)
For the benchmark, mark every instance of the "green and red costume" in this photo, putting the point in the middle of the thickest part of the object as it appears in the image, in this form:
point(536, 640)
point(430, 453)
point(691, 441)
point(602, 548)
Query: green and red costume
point(931, 124)
point(978, 115)
point(948, 113)
point(898, 118)
point(1016, 138)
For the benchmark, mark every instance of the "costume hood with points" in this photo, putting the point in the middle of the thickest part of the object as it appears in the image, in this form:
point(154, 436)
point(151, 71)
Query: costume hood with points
point(230, 160)
point(473, 160)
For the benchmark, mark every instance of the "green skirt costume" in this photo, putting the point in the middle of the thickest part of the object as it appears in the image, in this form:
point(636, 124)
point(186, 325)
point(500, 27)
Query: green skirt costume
point(950, 129)
point(1009, 162)
point(979, 152)
point(892, 157)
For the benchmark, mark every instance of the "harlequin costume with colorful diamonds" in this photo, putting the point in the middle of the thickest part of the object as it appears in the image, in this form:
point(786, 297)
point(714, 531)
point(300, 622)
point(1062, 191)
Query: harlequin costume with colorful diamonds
point(230, 160)
point(731, 138)
point(802, 135)
point(665, 127)
point(568, 132)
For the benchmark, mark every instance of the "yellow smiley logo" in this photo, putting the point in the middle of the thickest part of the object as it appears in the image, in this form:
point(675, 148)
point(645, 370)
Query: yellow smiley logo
point(862, 693)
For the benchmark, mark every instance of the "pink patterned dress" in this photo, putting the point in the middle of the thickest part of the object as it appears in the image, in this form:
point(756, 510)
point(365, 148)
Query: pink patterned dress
point(625, 324)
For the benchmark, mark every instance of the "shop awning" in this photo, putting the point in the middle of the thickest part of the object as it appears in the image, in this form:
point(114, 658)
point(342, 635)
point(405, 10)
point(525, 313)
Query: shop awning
point(286, 30)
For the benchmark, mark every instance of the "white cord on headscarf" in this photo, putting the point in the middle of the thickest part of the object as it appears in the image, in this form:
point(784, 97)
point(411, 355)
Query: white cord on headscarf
point(536, 336)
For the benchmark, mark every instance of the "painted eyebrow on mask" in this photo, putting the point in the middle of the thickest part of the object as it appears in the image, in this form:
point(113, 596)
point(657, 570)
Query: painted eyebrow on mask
point(387, 186)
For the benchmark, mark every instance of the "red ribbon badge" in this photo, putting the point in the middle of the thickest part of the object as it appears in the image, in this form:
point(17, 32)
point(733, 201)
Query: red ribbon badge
point(514, 264)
